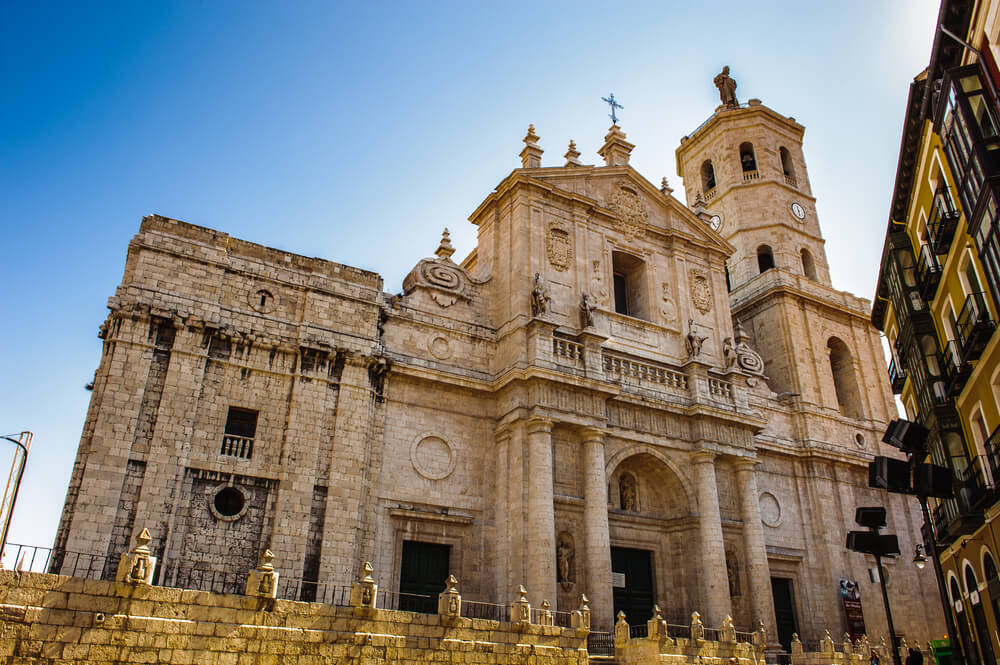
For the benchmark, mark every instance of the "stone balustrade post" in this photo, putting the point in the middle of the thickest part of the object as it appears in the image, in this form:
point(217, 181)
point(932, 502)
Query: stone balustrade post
point(450, 600)
point(364, 591)
point(137, 566)
point(262, 582)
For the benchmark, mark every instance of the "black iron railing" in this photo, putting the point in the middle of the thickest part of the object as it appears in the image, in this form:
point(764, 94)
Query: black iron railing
point(600, 644)
point(943, 221)
point(928, 273)
point(956, 370)
point(897, 376)
point(975, 326)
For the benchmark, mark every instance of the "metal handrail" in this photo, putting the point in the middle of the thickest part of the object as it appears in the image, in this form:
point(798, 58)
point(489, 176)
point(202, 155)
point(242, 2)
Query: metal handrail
point(23, 442)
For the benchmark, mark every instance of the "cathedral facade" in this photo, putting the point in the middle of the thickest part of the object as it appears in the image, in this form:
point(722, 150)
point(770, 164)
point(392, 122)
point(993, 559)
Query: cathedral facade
point(614, 394)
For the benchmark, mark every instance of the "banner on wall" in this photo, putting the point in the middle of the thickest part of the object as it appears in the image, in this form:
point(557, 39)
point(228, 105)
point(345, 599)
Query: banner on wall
point(850, 593)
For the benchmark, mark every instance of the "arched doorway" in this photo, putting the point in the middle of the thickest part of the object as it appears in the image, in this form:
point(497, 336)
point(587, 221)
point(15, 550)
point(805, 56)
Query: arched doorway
point(651, 535)
point(979, 616)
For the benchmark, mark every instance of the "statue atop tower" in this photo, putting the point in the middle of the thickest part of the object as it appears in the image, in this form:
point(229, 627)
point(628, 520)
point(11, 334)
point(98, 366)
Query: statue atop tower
point(727, 88)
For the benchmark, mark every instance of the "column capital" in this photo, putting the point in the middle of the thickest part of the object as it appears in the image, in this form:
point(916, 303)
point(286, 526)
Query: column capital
point(703, 456)
point(537, 424)
point(745, 463)
point(502, 433)
point(593, 434)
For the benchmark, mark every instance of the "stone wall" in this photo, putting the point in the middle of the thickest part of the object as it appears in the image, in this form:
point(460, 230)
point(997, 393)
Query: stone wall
point(56, 619)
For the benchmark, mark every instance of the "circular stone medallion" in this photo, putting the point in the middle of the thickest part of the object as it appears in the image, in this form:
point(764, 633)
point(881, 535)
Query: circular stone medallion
point(770, 510)
point(439, 347)
point(432, 457)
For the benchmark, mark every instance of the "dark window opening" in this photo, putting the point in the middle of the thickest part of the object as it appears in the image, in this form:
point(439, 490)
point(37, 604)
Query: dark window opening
point(765, 258)
point(707, 175)
point(422, 575)
point(787, 167)
point(808, 265)
point(621, 294)
point(748, 160)
point(630, 285)
point(241, 428)
point(228, 502)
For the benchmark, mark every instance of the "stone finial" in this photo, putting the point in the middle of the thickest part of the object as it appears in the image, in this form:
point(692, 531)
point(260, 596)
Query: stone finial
point(365, 591)
point(581, 617)
point(665, 187)
point(728, 631)
point(616, 149)
point(263, 581)
point(137, 566)
point(545, 614)
point(450, 600)
point(656, 627)
point(445, 250)
point(520, 609)
point(848, 645)
point(796, 644)
point(697, 627)
point(621, 630)
point(573, 155)
point(531, 155)
point(826, 644)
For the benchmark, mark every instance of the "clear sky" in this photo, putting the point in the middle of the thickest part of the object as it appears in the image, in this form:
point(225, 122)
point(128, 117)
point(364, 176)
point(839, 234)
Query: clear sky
point(357, 131)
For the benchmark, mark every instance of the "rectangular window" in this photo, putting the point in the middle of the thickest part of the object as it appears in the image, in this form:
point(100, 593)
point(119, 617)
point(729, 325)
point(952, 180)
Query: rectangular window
point(241, 429)
point(621, 294)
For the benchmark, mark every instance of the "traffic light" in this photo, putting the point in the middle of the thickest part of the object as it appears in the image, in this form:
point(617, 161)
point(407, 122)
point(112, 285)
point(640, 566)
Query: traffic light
point(889, 474)
point(933, 480)
point(867, 542)
point(873, 518)
point(908, 437)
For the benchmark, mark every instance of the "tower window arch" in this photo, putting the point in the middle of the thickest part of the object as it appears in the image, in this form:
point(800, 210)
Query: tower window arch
point(748, 159)
point(765, 258)
point(845, 382)
point(808, 265)
point(787, 167)
point(707, 175)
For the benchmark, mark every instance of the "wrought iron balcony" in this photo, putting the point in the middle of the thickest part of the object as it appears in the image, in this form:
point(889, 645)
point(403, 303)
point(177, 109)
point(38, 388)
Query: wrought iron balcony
point(975, 326)
point(977, 482)
point(897, 376)
point(928, 273)
point(993, 454)
point(957, 517)
point(956, 370)
point(943, 221)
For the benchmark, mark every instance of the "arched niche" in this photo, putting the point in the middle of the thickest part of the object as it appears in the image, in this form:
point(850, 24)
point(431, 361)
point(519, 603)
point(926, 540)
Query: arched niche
point(845, 381)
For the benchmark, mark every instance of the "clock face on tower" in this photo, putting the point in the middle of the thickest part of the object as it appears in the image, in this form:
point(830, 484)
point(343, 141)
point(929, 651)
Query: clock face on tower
point(798, 211)
point(715, 222)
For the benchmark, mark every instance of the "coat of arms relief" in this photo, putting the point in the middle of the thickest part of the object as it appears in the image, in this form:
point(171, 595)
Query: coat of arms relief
point(559, 247)
point(631, 215)
point(701, 290)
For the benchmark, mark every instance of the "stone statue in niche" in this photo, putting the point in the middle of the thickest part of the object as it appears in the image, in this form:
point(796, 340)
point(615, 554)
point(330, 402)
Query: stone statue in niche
point(587, 310)
point(628, 492)
point(668, 310)
point(694, 341)
point(539, 296)
point(601, 294)
point(565, 560)
point(733, 571)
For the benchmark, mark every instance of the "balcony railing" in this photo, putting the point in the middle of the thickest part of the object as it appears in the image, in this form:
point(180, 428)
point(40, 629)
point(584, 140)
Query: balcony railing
point(750, 176)
point(710, 194)
point(956, 370)
point(993, 453)
point(791, 180)
point(897, 376)
point(944, 221)
point(977, 485)
point(237, 446)
point(928, 273)
point(957, 517)
point(975, 326)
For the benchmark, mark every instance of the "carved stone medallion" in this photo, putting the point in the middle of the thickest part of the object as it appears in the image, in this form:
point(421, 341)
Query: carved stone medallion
point(701, 291)
point(558, 247)
point(770, 510)
point(443, 277)
point(432, 457)
point(631, 213)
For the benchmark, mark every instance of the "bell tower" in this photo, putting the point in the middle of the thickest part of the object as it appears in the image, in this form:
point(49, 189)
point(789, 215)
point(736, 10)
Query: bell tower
point(744, 172)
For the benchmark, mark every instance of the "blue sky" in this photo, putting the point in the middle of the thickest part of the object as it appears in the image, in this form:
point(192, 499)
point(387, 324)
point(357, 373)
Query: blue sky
point(357, 131)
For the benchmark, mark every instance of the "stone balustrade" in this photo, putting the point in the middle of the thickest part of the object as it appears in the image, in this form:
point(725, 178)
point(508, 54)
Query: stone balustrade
point(691, 644)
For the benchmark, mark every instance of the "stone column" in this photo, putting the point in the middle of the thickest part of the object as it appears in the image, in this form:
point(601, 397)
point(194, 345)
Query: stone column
point(713, 550)
point(597, 540)
point(541, 527)
point(758, 571)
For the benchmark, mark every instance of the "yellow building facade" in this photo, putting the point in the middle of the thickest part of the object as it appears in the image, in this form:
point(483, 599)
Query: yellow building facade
point(937, 304)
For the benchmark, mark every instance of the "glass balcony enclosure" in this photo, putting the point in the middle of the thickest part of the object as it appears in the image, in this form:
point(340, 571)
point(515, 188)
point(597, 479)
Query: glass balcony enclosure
point(943, 221)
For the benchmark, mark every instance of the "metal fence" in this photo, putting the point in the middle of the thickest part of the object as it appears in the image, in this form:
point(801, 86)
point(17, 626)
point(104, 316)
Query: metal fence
point(601, 644)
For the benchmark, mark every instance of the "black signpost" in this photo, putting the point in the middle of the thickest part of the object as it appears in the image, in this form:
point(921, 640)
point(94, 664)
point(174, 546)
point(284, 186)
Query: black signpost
point(910, 476)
